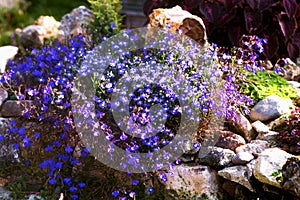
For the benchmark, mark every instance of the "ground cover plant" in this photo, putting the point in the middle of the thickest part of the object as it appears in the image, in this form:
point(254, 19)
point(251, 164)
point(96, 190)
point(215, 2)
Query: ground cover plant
point(46, 76)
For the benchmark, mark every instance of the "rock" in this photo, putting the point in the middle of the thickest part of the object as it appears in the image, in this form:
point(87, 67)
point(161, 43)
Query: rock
point(3, 96)
point(175, 19)
point(4, 194)
point(7, 152)
point(12, 108)
point(193, 180)
point(290, 71)
point(250, 168)
point(269, 164)
point(8, 3)
point(242, 126)
point(6, 53)
point(229, 140)
point(190, 147)
point(270, 136)
point(73, 23)
point(237, 174)
point(35, 197)
point(260, 127)
point(230, 187)
point(242, 158)
point(217, 157)
point(291, 176)
point(294, 84)
point(266, 64)
point(269, 108)
point(45, 27)
point(255, 147)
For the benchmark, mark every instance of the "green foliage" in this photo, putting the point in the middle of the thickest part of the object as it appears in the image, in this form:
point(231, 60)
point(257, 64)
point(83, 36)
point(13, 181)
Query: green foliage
point(108, 20)
point(12, 18)
point(277, 174)
point(265, 83)
point(55, 8)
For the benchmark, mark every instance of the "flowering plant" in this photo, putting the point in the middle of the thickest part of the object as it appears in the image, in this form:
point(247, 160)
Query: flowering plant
point(49, 77)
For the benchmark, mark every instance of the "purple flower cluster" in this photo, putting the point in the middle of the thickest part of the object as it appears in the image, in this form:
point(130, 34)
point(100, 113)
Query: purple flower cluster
point(46, 76)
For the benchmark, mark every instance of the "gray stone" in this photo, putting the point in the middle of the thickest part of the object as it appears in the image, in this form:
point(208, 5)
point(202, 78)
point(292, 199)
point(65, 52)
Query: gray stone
point(217, 157)
point(3, 96)
point(242, 158)
point(7, 152)
point(250, 168)
point(45, 27)
point(237, 174)
point(295, 84)
point(291, 176)
point(190, 147)
point(230, 140)
point(6, 53)
point(242, 126)
point(193, 181)
point(270, 136)
point(255, 147)
point(269, 108)
point(4, 194)
point(8, 4)
point(260, 127)
point(270, 161)
point(12, 108)
point(73, 23)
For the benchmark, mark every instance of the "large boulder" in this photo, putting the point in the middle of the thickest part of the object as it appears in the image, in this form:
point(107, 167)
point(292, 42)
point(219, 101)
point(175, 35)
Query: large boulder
point(255, 147)
point(45, 27)
point(268, 166)
point(242, 126)
point(237, 174)
point(229, 140)
point(269, 108)
point(74, 22)
point(177, 19)
point(193, 182)
point(217, 157)
point(6, 53)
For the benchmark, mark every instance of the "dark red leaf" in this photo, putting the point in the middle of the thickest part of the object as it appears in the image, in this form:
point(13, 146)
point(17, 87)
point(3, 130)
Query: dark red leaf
point(211, 11)
point(266, 4)
point(192, 3)
point(293, 50)
point(290, 7)
point(252, 19)
point(272, 46)
point(288, 26)
point(235, 34)
point(253, 3)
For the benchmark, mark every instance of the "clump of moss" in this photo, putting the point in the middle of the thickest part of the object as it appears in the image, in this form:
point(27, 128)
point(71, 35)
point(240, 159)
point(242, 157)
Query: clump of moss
point(261, 84)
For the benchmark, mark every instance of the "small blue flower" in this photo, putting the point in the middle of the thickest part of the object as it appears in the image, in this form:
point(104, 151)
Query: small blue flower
point(73, 189)
point(52, 181)
point(81, 185)
point(151, 190)
point(74, 196)
point(67, 181)
point(115, 193)
point(68, 149)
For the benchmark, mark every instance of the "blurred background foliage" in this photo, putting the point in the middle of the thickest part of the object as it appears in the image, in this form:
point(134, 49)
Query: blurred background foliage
point(27, 11)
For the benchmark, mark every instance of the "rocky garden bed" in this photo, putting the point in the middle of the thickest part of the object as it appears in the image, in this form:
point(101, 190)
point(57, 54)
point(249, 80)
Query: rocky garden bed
point(249, 151)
